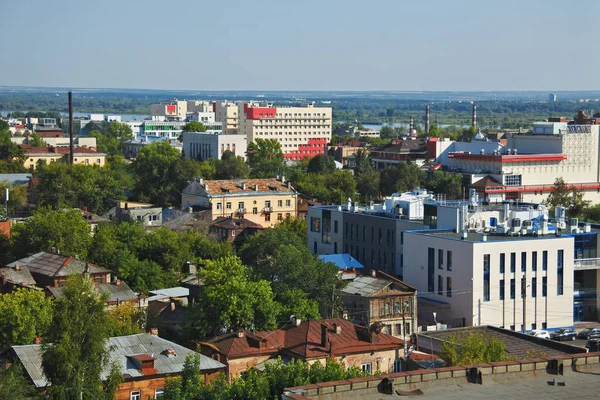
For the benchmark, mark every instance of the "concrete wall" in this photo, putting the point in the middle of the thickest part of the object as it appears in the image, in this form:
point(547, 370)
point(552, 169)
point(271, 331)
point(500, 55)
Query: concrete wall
point(204, 145)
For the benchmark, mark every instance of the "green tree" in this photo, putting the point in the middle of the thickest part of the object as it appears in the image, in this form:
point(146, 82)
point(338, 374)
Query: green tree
point(387, 132)
point(158, 168)
point(126, 319)
point(336, 187)
point(15, 385)
point(11, 155)
point(194, 126)
point(36, 140)
point(112, 140)
point(187, 385)
point(17, 196)
point(321, 164)
point(364, 162)
point(295, 224)
point(568, 197)
point(236, 300)
point(265, 158)
point(471, 347)
point(231, 166)
point(467, 134)
point(400, 178)
point(75, 353)
point(64, 229)
point(446, 183)
point(24, 315)
point(367, 184)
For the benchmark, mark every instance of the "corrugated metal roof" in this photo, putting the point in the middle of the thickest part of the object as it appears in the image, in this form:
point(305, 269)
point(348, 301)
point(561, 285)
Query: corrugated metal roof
point(122, 348)
point(365, 286)
point(50, 264)
point(171, 292)
point(23, 276)
point(342, 261)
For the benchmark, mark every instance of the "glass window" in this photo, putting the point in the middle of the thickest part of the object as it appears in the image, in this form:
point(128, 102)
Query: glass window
point(448, 286)
point(449, 260)
point(501, 289)
point(241, 206)
point(254, 210)
point(545, 260)
point(486, 277)
point(315, 224)
point(544, 286)
point(523, 261)
point(267, 204)
point(288, 203)
point(135, 395)
point(533, 287)
point(512, 288)
point(219, 206)
point(366, 368)
point(335, 227)
point(279, 203)
point(228, 205)
point(430, 269)
point(502, 262)
point(440, 285)
point(440, 259)
point(559, 272)
point(534, 260)
point(513, 261)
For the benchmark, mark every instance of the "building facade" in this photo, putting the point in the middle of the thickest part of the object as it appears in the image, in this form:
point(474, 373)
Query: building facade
point(211, 144)
point(302, 131)
point(47, 155)
point(226, 112)
point(265, 202)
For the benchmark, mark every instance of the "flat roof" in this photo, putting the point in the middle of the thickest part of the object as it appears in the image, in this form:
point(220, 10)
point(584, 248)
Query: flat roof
point(491, 237)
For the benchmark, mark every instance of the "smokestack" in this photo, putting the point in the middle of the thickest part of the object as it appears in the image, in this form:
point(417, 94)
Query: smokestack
point(412, 125)
point(474, 116)
point(427, 118)
point(71, 128)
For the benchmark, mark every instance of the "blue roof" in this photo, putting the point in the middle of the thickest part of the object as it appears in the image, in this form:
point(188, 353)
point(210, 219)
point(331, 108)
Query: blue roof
point(342, 261)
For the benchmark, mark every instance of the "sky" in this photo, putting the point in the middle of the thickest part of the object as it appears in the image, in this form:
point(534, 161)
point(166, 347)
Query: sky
point(393, 45)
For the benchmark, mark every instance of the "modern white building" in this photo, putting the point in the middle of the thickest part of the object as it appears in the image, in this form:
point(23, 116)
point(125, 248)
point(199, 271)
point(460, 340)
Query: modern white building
point(210, 144)
point(302, 131)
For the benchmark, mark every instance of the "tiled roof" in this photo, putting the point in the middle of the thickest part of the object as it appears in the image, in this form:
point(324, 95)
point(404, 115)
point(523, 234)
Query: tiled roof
point(116, 293)
point(304, 340)
point(486, 182)
point(18, 277)
point(122, 350)
point(56, 265)
point(214, 188)
point(234, 223)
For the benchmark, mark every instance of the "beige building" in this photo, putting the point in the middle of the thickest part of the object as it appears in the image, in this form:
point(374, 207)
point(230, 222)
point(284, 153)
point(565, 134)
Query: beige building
point(262, 201)
point(302, 131)
point(47, 155)
point(226, 112)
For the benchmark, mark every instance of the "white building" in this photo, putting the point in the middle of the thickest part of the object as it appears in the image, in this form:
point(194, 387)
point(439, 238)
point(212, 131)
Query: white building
point(302, 131)
point(210, 144)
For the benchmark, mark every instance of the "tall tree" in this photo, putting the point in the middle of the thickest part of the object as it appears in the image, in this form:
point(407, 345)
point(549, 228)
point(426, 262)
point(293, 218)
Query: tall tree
point(47, 228)
point(231, 166)
point(15, 385)
point(321, 164)
point(194, 126)
point(568, 197)
point(236, 301)
point(265, 158)
point(401, 178)
point(17, 196)
point(446, 183)
point(364, 161)
point(24, 315)
point(36, 140)
point(76, 353)
point(111, 140)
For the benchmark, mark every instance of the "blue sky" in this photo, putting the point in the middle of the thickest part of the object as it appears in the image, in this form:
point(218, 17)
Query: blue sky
point(302, 45)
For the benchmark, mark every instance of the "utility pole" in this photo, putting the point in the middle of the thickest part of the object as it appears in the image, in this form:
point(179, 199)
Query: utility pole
point(478, 312)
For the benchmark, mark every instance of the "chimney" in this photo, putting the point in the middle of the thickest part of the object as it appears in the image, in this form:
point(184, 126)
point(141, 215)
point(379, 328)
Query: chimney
point(243, 186)
point(53, 250)
point(118, 282)
point(374, 273)
point(17, 267)
point(240, 333)
point(154, 331)
point(283, 178)
point(323, 335)
point(474, 116)
point(337, 329)
point(201, 181)
point(37, 340)
point(170, 352)
point(427, 118)
point(412, 125)
point(345, 314)
point(256, 188)
point(298, 321)
point(173, 306)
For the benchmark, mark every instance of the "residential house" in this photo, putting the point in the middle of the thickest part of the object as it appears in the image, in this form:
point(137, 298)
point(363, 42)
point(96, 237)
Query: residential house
point(234, 230)
point(14, 278)
point(262, 201)
point(410, 149)
point(367, 348)
point(81, 155)
point(377, 297)
point(303, 203)
point(145, 213)
point(146, 361)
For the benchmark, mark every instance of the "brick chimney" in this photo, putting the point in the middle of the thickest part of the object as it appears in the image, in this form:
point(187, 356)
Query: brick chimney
point(240, 333)
point(374, 273)
point(337, 329)
point(298, 321)
point(37, 340)
point(154, 331)
point(324, 336)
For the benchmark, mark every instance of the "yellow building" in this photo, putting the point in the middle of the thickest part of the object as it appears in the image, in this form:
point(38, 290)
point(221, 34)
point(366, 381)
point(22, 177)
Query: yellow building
point(263, 201)
point(47, 155)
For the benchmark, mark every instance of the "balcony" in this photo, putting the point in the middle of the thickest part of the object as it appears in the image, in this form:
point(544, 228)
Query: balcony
point(240, 211)
point(583, 264)
point(268, 209)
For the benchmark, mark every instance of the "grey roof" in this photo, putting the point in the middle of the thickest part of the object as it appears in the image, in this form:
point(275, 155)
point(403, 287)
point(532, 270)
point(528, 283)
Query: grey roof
point(15, 179)
point(195, 188)
point(20, 277)
point(365, 286)
point(50, 264)
point(116, 293)
point(121, 350)
point(169, 293)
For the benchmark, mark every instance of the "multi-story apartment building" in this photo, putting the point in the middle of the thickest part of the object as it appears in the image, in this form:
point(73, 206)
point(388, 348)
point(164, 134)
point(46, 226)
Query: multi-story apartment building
point(226, 112)
point(263, 201)
point(302, 131)
point(372, 234)
point(211, 144)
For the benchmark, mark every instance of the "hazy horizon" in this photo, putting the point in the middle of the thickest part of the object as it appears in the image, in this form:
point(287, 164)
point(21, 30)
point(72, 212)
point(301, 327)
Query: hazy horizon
point(349, 46)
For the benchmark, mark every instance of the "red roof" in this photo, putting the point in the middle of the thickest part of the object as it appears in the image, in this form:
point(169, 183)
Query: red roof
point(305, 340)
point(57, 150)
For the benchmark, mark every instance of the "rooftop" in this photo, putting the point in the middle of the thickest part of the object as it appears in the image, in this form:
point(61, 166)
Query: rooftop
point(122, 350)
point(18, 276)
point(222, 188)
point(56, 265)
point(61, 150)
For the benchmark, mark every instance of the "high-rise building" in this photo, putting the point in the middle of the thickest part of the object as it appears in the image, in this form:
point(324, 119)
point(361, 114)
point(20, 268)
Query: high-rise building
point(226, 112)
point(302, 131)
point(551, 98)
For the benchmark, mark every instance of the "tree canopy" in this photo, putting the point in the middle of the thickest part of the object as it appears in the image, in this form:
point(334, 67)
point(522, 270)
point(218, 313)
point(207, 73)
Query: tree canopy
point(446, 183)
point(24, 315)
point(566, 196)
point(321, 164)
point(265, 158)
point(400, 178)
point(335, 188)
point(194, 126)
point(231, 166)
point(111, 140)
point(472, 348)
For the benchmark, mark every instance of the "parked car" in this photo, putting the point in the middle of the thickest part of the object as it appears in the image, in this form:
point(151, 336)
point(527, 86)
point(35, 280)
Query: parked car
point(563, 334)
point(593, 345)
point(589, 333)
point(540, 334)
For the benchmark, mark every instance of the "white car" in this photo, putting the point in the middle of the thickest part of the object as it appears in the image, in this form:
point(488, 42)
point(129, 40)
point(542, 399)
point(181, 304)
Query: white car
point(540, 334)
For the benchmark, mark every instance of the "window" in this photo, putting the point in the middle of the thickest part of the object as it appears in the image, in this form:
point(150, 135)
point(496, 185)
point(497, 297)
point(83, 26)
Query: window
point(372, 235)
point(512, 288)
point(512, 327)
point(254, 210)
point(544, 286)
point(315, 224)
point(228, 205)
point(513, 261)
point(440, 285)
point(135, 395)
point(387, 308)
point(241, 206)
point(486, 277)
point(335, 227)
point(279, 217)
point(534, 261)
point(544, 325)
point(335, 248)
point(267, 204)
point(448, 286)
point(267, 217)
point(449, 260)
point(512, 180)
point(533, 288)
point(279, 203)
point(380, 236)
point(502, 262)
point(523, 287)
point(233, 232)
point(366, 368)
point(397, 365)
point(288, 203)
point(401, 237)
point(523, 262)
point(440, 259)
point(545, 260)
point(501, 289)
point(430, 269)
point(219, 206)
point(534, 326)
point(559, 272)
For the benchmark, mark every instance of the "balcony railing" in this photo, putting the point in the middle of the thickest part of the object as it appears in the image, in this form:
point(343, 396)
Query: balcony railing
point(586, 263)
